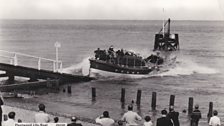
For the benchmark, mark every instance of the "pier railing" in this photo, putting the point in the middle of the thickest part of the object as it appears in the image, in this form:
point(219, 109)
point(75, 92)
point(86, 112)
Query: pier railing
point(13, 59)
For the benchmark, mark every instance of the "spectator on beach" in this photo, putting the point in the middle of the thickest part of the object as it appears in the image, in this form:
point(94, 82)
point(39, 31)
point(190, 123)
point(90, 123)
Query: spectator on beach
point(5, 117)
point(130, 117)
point(148, 121)
point(11, 120)
point(56, 119)
point(19, 121)
point(195, 116)
point(1, 103)
point(120, 123)
point(74, 122)
point(174, 116)
point(164, 120)
point(215, 120)
point(105, 120)
point(41, 116)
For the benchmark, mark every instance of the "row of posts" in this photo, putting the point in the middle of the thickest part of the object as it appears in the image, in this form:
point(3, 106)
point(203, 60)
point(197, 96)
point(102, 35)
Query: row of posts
point(153, 103)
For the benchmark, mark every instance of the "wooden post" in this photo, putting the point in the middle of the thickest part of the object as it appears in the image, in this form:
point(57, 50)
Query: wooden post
point(138, 101)
point(11, 78)
point(93, 93)
point(122, 95)
point(153, 105)
point(49, 85)
point(57, 83)
point(190, 105)
point(172, 100)
point(69, 89)
point(210, 111)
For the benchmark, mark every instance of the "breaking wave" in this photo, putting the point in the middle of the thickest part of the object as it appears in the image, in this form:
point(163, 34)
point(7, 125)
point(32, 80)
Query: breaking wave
point(187, 66)
point(80, 68)
point(181, 66)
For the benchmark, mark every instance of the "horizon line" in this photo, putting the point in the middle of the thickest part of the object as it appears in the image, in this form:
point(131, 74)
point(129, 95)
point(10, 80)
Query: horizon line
point(110, 19)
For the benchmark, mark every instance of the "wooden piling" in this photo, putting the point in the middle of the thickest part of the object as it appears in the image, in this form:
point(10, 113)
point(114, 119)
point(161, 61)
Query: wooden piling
point(49, 84)
point(210, 111)
point(69, 89)
point(122, 95)
point(93, 93)
point(138, 101)
point(190, 105)
point(153, 105)
point(11, 78)
point(57, 84)
point(172, 100)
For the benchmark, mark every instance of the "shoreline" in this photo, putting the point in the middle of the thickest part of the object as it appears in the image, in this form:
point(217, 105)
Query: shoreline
point(27, 115)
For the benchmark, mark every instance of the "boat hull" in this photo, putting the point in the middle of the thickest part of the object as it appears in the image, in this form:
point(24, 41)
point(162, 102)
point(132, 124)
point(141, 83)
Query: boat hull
point(110, 67)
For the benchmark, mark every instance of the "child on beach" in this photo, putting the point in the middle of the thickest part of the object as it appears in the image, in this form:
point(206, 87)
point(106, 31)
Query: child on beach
point(148, 121)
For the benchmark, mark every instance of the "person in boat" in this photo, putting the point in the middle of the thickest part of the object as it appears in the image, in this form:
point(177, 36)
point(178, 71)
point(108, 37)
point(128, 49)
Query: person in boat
point(111, 51)
point(100, 54)
point(156, 59)
point(97, 53)
point(122, 52)
point(111, 55)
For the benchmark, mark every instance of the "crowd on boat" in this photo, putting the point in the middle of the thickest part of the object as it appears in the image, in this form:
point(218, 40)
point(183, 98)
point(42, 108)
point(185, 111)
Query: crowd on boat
point(130, 118)
point(123, 57)
point(111, 53)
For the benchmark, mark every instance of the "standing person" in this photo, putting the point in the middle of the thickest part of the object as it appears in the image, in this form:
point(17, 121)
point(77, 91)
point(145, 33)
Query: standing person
point(148, 121)
point(131, 117)
point(105, 120)
point(195, 116)
point(164, 120)
point(215, 120)
point(11, 120)
point(174, 116)
point(41, 116)
point(74, 120)
point(1, 103)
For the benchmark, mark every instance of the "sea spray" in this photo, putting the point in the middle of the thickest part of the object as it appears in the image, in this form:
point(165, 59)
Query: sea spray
point(80, 68)
point(187, 66)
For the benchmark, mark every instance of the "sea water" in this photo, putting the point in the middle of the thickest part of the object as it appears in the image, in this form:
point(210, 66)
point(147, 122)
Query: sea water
point(198, 71)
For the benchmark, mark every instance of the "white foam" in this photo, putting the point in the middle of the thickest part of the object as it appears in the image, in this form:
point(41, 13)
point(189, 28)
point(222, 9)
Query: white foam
point(187, 66)
point(82, 67)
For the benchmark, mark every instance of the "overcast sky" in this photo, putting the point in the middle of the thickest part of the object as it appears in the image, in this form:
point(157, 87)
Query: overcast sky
point(113, 9)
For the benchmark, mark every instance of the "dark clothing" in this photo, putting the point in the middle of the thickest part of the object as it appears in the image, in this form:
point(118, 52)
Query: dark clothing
point(155, 59)
point(1, 103)
point(74, 124)
point(174, 116)
point(195, 116)
point(164, 121)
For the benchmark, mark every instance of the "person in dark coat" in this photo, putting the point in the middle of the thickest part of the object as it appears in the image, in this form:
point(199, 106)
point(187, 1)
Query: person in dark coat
point(195, 116)
point(174, 116)
point(164, 120)
point(1, 103)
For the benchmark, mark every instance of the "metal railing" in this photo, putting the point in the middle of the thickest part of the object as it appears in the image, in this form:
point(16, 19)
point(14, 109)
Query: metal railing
point(13, 60)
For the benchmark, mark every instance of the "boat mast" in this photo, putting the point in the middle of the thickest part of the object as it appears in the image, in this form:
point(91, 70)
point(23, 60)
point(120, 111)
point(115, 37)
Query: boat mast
point(168, 30)
point(163, 25)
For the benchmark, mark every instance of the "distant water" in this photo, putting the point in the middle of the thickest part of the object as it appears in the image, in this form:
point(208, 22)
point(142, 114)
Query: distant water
point(198, 72)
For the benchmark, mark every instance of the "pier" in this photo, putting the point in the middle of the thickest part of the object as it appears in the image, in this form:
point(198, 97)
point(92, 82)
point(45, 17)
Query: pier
point(13, 68)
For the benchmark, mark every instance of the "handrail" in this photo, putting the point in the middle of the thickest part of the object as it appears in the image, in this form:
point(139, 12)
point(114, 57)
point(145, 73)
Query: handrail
point(13, 60)
point(27, 55)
